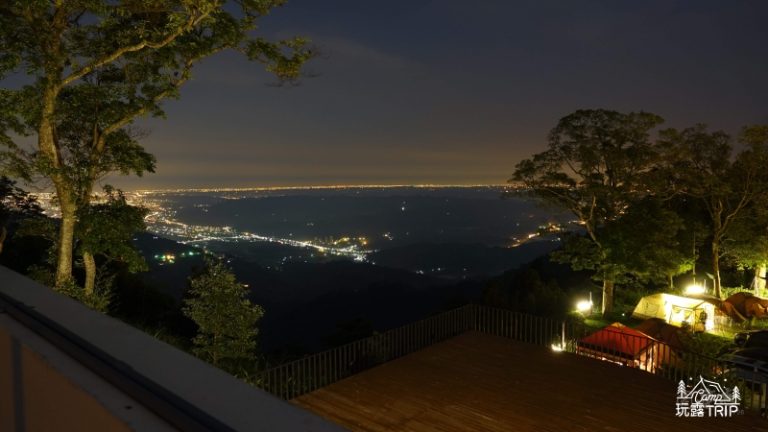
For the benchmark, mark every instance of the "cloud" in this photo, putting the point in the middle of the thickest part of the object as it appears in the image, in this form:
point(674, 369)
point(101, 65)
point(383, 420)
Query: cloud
point(341, 55)
point(347, 51)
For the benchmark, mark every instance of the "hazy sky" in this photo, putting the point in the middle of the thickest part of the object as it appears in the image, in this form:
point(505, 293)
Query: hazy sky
point(455, 92)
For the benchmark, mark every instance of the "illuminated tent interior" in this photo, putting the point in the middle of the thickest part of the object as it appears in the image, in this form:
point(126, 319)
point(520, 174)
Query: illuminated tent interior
point(676, 310)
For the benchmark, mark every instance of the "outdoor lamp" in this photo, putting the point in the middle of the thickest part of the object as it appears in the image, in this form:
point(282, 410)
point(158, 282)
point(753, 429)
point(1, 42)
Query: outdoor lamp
point(694, 289)
point(584, 306)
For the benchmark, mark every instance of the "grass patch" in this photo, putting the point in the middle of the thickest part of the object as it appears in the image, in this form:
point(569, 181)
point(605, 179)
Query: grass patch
point(709, 345)
point(598, 321)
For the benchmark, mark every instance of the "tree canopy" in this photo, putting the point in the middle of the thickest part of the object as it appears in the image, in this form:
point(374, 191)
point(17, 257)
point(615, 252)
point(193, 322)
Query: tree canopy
point(702, 166)
point(594, 167)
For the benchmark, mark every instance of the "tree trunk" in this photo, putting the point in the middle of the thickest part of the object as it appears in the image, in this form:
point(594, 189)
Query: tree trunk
point(66, 241)
point(760, 272)
point(90, 273)
point(607, 297)
point(46, 142)
point(716, 267)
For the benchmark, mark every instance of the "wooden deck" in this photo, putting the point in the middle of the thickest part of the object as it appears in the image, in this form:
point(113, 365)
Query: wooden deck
point(477, 382)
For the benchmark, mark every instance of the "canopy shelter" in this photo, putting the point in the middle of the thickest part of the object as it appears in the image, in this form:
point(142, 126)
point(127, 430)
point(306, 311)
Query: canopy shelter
point(676, 310)
point(626, 346)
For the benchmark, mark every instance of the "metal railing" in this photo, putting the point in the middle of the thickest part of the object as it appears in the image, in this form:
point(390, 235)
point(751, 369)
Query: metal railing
point(627, 348)
point(297, 377)
point(674, 363)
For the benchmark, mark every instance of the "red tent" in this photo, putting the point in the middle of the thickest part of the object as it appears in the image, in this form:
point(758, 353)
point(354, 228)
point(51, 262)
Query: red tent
point(621, 344)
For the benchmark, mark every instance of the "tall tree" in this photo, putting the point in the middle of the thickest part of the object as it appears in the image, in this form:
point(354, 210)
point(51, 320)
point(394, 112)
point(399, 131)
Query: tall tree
point(95, 66)
point(594, 168)
point(701, 165)
point(226, 319)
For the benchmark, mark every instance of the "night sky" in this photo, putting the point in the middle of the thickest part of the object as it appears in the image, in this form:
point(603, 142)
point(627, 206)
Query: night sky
point(454, 92)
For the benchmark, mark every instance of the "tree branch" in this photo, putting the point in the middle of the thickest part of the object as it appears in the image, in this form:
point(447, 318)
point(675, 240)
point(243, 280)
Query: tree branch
point(85, 70)
point(184, 77)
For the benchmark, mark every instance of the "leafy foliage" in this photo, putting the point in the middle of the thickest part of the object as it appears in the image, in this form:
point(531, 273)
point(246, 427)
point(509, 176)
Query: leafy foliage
point(15, 203)
point(525, 291)
point(96, 66)
point(106, 230)
point(226, 319)
point(701, 165)
point(98, 300)
point(650, 241)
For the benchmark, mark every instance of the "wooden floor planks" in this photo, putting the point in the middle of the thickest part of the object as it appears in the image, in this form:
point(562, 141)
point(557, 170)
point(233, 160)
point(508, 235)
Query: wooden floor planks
point(478, 382)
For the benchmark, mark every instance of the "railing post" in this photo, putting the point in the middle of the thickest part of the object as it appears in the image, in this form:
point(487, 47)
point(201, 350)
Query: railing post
point(563, 337)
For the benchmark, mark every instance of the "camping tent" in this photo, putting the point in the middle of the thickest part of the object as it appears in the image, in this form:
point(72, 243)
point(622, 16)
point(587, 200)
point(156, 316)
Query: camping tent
point(670, 340)
point(676, 309)
point(658, 329)
point(624, 345)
